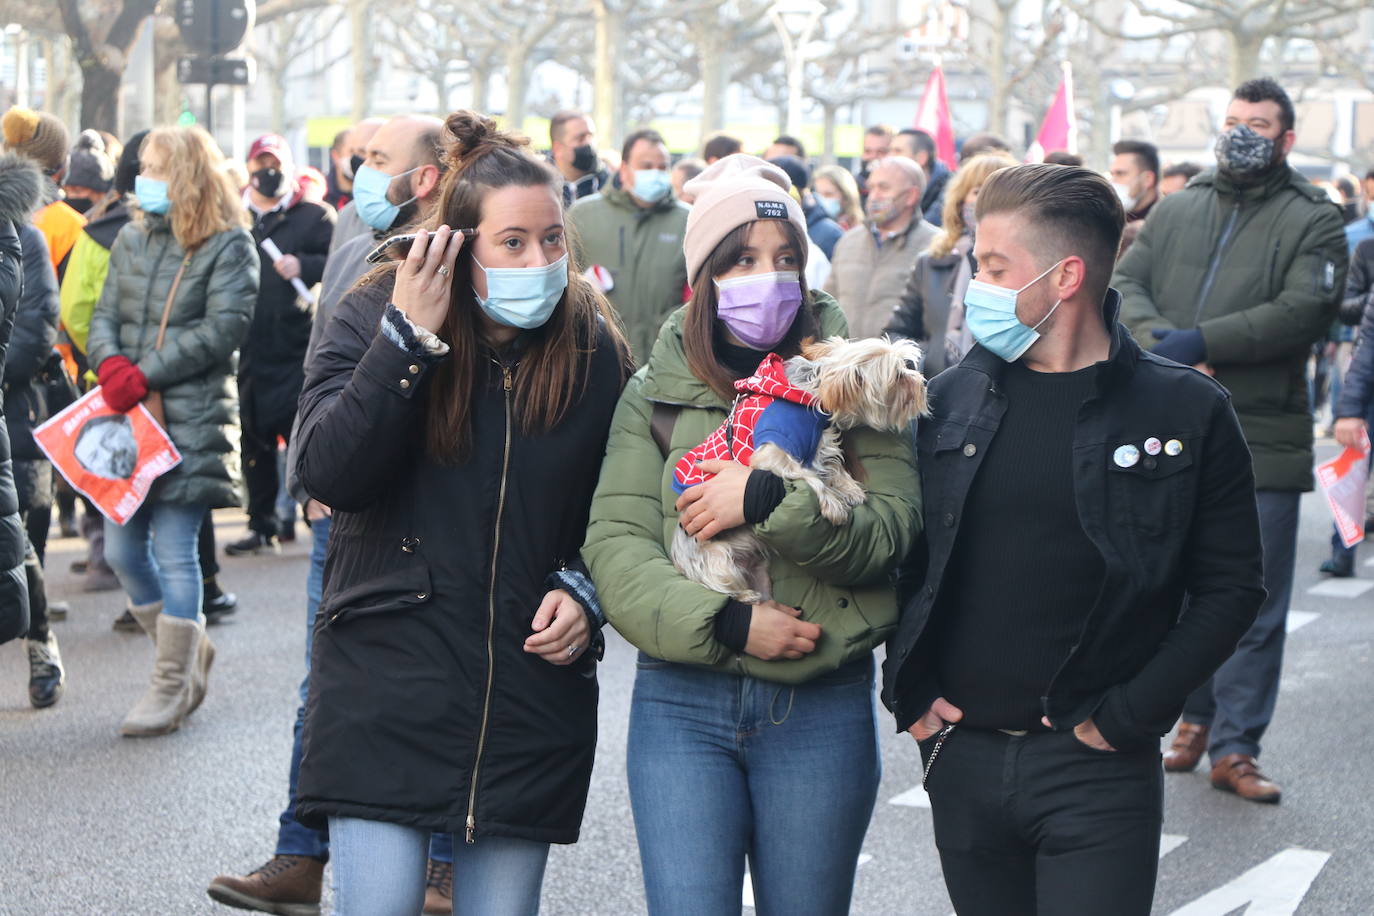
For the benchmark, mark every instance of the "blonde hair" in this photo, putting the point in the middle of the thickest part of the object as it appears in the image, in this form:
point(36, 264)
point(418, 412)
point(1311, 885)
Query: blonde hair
point(850, 209)
point(969, 178)
point(204, 199)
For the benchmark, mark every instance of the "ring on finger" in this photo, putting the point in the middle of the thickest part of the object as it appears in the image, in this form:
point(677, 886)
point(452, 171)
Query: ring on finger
point(573, 650)
point(442, 270)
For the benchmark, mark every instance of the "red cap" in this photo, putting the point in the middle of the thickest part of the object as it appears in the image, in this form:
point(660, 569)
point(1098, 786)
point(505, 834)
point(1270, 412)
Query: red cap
point(274, 145)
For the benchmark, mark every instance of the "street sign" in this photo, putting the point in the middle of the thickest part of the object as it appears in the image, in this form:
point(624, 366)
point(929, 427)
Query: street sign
point(214, 27)
point(216, 71)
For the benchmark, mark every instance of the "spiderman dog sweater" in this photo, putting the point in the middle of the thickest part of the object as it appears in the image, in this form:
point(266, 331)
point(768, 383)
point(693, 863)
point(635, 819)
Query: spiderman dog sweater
point(769, 409)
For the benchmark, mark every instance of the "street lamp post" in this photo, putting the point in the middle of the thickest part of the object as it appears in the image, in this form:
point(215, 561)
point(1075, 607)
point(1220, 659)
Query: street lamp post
point(795, 21)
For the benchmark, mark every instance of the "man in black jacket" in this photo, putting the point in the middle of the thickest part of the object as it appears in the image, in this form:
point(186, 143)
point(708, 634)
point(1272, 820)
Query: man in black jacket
point(1075, 490)
point(271, 367)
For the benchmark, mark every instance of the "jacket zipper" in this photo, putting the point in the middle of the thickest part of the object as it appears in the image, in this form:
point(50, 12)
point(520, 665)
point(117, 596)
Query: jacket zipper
point(1216, 262)
point(506, 384)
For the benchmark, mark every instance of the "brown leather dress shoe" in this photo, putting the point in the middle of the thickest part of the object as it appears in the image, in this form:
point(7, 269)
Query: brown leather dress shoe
point(287, 885)
point(1189, 744)
point(1240, 773)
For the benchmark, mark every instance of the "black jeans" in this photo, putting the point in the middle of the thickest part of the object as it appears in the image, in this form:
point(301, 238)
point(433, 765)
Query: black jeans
point(1043, 825)
point(260, 469)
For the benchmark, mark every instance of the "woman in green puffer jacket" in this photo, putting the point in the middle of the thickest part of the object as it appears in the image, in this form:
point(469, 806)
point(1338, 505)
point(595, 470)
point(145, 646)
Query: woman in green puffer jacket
point(752, 728)
point(188, 246)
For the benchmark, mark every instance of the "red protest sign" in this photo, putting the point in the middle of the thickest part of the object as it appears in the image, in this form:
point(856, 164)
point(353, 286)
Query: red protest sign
point(109, 457)
point(1342, 480)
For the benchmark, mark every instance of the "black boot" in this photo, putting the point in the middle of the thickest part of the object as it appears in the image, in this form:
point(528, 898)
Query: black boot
point(255, 543)
point(217, 603)
point(1340, 566)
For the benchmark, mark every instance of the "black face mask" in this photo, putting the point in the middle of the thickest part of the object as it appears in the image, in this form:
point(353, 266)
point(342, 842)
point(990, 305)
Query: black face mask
point(80, 204)
point(355, 163)
point(266, 182)
point(584, 158)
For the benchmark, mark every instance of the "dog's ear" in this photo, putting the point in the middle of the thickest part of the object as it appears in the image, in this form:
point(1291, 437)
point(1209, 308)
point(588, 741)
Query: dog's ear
point(840, 388)
point(814, 349)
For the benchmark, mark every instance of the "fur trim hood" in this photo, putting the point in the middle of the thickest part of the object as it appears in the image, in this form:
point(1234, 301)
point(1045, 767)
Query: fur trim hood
point(21, 187)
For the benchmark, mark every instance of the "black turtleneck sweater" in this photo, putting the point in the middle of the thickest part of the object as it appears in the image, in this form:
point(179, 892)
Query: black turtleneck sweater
point(1023, 576)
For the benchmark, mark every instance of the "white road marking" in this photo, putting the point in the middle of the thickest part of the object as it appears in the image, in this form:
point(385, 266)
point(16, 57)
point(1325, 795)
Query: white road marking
point(1299, 619)
point(1169, 842)
point(1369, 562)
point(912, 798)
point(1341, 588)
point(1273, 888)
point(864, 858)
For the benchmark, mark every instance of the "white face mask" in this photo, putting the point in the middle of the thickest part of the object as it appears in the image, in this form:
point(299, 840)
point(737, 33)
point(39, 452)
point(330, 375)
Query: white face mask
point(1128, 198)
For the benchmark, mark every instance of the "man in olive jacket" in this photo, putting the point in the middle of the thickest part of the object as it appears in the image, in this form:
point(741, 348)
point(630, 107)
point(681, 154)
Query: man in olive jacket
point(632, 231)
point(1238, 274)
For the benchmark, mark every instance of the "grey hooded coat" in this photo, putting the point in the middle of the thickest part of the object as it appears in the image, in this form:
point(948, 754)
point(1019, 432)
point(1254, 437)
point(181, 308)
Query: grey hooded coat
point(195, 368)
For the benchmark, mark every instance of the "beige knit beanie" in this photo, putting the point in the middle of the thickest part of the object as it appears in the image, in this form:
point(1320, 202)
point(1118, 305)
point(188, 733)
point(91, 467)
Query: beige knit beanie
point(37, 135)
point(733, 191)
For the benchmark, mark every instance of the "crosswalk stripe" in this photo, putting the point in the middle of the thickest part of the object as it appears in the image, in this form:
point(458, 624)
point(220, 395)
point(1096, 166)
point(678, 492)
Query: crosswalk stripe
point(1275, 887)
point(1169, 842)
point(1341, 588)
point(912, 798)
point(864, 859)
point(1299, 619)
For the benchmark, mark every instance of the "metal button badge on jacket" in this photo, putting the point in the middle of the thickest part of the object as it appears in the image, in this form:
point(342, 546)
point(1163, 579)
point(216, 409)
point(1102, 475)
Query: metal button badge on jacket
point(1126, 456)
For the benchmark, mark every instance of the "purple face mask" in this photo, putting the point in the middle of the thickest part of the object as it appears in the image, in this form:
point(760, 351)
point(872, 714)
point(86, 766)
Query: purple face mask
point(759, 309)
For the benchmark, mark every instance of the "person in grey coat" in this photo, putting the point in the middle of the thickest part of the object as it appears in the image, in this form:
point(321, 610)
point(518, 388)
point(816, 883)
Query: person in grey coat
point(188, 246)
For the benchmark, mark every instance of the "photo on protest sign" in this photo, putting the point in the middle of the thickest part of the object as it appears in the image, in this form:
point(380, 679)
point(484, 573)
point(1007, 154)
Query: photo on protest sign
point(109, 457)
point(1342, 480)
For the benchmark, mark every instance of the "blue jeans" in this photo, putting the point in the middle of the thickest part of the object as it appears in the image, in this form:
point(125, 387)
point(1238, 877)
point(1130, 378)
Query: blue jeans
point(293, 837)
point(379, 870)
point(724, 767)
point(1238, 702)
point(156, 556)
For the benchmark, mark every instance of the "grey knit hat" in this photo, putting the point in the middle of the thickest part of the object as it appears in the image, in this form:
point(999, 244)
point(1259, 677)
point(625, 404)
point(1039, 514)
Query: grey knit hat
point(91, 166)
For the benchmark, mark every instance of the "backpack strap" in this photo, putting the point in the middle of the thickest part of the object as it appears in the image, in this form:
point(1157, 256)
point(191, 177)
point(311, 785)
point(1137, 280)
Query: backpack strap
point(661, 423)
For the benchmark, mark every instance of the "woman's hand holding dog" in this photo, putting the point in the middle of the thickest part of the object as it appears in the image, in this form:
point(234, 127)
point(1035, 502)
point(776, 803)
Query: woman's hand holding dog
point(716, 504)
point(777, 631)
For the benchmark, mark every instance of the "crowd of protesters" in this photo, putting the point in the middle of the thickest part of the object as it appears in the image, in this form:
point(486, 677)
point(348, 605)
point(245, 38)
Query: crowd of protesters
point(471, 370)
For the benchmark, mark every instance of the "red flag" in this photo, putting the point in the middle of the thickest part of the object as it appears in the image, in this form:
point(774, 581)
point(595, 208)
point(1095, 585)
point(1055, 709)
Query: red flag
point(933, 117)
point(1059, 130)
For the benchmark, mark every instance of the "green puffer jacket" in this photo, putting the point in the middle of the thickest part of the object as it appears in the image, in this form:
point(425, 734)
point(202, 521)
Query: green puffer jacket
point(642, 249)
point(840, 577)
point(1260, 272)
point(195, 368)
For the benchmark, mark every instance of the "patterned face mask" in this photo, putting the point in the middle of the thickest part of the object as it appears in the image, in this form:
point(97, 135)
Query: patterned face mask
point(1241, 151)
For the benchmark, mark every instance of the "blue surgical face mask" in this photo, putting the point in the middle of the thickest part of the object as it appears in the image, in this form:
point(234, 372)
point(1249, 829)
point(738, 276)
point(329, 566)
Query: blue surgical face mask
point(831, 205)
point(652, 185)
point(369, 196)
point(990, 312)
point(152, 195)
point(523, 297)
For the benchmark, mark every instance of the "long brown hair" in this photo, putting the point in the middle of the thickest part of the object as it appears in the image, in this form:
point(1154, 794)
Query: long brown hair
point(970, 176)
point(204, 199)
point(556, 361)
point(699, 327)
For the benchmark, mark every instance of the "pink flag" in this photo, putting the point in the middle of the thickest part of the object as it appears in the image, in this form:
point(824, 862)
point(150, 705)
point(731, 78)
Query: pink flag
point(933, 116)
point(1059, 130)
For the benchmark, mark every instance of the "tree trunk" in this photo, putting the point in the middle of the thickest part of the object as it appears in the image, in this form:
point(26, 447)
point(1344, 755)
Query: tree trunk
point(99, 95)
point(605, 85)
point(713, 81)
point(1245, 55)
point(997, 77)
point(481, 91)
point(830, 112)
point(517, 76)
point(362, 58)
point(440, 80)
point(167, 92)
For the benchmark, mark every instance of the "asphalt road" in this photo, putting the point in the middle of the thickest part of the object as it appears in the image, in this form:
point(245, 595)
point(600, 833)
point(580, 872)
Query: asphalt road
point(91, 823)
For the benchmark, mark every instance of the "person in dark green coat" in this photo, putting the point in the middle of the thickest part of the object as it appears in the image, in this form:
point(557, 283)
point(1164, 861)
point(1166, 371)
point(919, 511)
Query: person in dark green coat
point(631, 235)
point(187, 247)
point(752, 730)
point(1238, 274)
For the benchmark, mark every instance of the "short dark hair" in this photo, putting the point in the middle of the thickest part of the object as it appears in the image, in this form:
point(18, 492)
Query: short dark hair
point(1072, 211)
point(1369, 175)
point(648, 135)
point(923, 141)
point(1184, 170)
point(718, 146)
point(1146, 154)
point(1346, 185)
point(1063, 157)
point(429, 148)
point(691, 167)
point(789, 140)
point(339, 139)
point(982, 143)
point(1265, 89)
point(879, 130)
point(561, 118)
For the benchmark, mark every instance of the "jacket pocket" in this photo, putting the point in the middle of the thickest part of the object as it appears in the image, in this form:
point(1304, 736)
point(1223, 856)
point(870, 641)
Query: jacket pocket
point(1151, 496)
point(370, 576)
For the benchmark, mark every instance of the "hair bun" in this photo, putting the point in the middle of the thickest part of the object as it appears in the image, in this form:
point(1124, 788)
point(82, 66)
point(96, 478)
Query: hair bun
point(90, 139)
point(472, 135)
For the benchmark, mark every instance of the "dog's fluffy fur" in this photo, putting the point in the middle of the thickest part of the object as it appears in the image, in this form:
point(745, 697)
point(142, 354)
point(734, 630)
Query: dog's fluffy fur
point(875, 383)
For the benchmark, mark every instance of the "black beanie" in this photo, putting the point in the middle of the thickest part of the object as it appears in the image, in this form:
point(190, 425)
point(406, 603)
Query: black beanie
point(127, 168)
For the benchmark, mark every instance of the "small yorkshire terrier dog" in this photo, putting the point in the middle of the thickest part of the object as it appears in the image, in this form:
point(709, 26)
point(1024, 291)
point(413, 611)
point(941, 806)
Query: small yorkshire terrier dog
point(788, 419)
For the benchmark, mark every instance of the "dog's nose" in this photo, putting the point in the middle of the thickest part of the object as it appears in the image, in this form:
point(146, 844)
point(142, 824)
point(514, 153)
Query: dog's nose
point(910, 364)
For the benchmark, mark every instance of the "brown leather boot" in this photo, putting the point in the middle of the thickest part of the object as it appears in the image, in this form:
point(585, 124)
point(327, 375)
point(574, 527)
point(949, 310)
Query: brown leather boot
point(1189, 745)
point(286, 885)
point(1240, 773)
point(438, 889)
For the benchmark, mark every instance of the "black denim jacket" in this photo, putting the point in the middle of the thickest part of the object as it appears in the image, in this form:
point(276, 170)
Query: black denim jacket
point(1168, 526)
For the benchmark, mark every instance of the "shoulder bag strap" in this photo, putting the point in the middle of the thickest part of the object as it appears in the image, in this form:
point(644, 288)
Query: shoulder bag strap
point(171, 296)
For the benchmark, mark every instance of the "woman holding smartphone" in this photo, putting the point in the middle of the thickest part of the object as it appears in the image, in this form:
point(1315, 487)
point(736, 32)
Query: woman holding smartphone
point(454, 417)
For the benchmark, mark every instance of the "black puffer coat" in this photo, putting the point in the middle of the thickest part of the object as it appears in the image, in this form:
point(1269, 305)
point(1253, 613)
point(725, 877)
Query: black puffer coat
point(20, 183)
point(424, 709)
point(31, 347)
